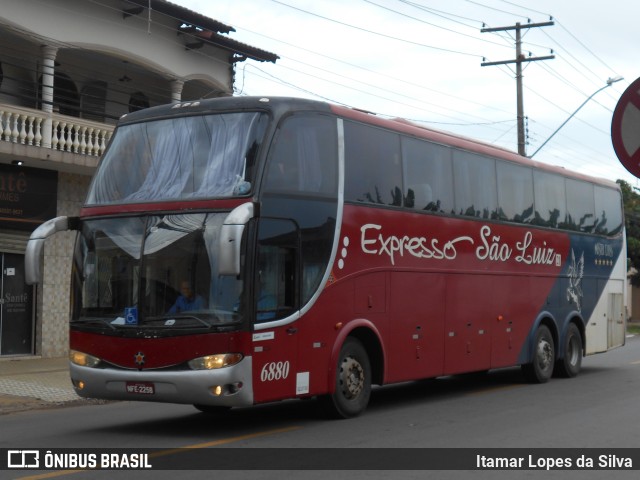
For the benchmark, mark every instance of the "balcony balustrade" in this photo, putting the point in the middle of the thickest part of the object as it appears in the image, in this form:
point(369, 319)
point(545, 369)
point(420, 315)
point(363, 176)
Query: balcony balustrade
point(51, 130)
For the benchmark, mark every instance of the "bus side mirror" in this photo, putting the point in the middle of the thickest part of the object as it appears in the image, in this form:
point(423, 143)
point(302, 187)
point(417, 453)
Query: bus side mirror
point(231, 239)
point(35, 245)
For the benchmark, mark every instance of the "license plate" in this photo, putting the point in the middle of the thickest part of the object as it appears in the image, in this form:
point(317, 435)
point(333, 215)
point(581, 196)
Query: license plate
point(141, 388)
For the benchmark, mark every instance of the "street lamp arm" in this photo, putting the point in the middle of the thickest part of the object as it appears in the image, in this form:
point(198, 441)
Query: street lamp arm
point(610, 81)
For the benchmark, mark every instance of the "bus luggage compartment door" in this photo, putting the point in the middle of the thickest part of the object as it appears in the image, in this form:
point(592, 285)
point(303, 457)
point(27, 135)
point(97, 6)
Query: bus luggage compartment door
point(615, 320)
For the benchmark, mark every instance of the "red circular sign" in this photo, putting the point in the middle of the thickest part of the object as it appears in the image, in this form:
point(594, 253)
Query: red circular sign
point(625, 128)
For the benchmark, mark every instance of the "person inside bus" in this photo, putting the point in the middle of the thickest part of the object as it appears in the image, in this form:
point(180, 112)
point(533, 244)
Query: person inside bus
point(188, 300)
point(267, 304)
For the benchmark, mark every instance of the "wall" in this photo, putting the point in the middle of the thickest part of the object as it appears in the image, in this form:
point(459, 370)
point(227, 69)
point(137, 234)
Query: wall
point(52, 337)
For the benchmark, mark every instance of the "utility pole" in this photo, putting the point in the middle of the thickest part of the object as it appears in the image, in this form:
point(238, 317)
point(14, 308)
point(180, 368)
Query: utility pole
point(519, 60)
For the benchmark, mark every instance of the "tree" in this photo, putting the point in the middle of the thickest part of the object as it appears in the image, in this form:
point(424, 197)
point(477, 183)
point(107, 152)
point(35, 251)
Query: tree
point(631, 202)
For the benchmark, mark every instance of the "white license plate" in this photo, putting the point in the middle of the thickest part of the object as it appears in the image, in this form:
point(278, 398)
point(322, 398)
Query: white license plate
point(141, 388)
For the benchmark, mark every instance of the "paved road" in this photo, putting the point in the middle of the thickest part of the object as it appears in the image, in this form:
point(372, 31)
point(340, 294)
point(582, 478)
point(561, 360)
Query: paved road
point(598, 409)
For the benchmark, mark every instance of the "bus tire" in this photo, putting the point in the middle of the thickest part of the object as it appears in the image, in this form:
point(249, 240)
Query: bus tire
point(352, 382)
point(571, 361)
point(541, 367)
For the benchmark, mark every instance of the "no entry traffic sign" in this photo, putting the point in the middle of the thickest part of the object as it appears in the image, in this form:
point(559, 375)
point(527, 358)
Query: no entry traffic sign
point(625, 128)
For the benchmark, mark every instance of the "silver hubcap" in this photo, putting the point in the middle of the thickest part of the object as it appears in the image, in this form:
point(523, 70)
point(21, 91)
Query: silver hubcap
point(574, 350)
point(351, 378)
point(545, 354)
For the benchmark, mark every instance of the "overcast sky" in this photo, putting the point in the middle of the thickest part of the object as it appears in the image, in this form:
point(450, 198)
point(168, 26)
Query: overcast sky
point(421, 60)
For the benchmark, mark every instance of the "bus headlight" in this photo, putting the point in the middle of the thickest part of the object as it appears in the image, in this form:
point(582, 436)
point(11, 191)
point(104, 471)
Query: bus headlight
point(211, 362)
point(83, 359)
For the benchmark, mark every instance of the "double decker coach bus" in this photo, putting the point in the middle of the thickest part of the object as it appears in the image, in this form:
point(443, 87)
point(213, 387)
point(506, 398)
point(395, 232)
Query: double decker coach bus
point(237, 251)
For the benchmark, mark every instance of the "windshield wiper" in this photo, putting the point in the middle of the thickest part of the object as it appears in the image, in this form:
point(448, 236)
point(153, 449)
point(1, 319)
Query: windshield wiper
point(103, 321)
point(181, 316)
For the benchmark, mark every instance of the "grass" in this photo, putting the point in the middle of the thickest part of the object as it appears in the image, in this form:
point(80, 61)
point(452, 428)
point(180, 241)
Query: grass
point(633, 328)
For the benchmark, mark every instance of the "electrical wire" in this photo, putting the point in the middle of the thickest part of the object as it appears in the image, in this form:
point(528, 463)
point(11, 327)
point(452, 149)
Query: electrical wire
point(359, 84)
point(410, 42)
point(432, 24)
point(404, 81)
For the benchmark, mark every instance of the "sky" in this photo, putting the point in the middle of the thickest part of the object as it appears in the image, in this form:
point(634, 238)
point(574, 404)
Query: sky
point(422, 60)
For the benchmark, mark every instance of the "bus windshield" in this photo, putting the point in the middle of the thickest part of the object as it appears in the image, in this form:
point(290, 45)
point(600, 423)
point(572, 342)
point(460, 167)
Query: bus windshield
point(204, 156)
point(155, 271)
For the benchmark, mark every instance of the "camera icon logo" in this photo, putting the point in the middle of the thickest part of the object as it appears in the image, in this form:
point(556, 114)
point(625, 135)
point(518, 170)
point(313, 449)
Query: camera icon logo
point(23, 459)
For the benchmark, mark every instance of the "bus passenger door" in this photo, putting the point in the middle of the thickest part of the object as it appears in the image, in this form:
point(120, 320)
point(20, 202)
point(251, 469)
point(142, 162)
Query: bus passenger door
point(275, 293)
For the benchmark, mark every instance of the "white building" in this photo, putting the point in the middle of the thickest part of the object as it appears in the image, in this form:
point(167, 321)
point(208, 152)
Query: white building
point(68, 70)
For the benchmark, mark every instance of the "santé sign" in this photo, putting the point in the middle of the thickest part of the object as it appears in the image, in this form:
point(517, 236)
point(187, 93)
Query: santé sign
point(28, 196)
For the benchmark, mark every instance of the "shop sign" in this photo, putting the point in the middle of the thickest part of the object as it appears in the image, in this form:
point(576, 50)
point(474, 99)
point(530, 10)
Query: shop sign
point(28, 196)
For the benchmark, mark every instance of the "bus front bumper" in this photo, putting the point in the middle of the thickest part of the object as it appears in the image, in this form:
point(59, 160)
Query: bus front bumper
point(229, 386)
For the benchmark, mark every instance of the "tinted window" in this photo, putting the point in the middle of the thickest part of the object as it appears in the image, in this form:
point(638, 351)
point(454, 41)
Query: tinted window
point(372, 165)
point(515, 192)
point(551, 202)
point(474, 185)
point(428, 176)
point(301, 185)
point(608, 211)
point(304, 156)
point(278, 245)
point(580, 206)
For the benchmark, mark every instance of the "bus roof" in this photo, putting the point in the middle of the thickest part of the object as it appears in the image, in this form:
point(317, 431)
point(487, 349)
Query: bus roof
point(225, 104)
point(281, 105)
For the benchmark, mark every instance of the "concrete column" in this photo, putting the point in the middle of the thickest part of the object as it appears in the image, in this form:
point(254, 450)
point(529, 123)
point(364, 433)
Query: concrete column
point(176, 90)
point(48, 69)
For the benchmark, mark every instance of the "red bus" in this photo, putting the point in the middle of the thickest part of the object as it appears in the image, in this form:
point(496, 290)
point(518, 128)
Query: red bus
point(237, 251)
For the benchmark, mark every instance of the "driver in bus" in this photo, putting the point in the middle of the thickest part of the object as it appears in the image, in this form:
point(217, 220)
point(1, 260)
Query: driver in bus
point(188, 300)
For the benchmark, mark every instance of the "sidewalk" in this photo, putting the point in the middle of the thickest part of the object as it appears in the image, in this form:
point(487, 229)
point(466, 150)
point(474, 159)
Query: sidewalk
point(28, 383)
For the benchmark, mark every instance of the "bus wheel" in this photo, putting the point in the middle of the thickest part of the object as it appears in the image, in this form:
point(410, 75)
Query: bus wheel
point(569, 365)
point(212, 410)
point(353, 382)
point(541, 367)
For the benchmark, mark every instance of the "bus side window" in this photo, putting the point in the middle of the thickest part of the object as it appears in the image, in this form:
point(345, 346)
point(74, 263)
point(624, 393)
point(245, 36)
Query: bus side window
point(428, 176)
point(515, 192)
point(373, 173)
point(276, 277)
point(302, 160)
point(581, 215)
point(609, 212)
point(550, 199)
point(474, 185)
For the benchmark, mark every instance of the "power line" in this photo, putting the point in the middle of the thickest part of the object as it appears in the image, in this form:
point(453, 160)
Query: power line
point(496, 9)
point(405, 81)
point(526, 8)
point(585, 47)
point(443, 14)
point(484, 122)
point(519, 60)
point(358, 83)
point(394, 101)
point(431, 24)
point(410, 42)
point(561, 25)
